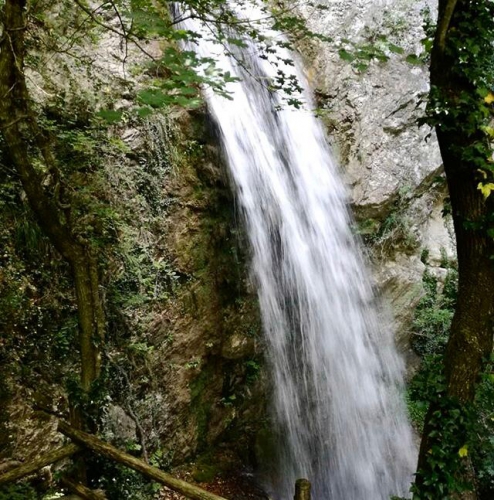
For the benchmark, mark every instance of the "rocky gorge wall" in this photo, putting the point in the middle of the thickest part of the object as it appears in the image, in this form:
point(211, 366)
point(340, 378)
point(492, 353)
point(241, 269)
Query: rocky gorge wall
point(184, 354)
point(392, 167)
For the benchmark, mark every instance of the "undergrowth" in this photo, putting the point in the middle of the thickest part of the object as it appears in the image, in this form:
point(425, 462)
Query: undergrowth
point(430, 331)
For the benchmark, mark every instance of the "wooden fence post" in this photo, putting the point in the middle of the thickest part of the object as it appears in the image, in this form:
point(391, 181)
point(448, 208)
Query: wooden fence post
point(302, 490)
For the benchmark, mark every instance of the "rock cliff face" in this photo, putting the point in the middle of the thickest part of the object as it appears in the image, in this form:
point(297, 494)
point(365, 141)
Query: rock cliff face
point(183, 357)
point(392, 167)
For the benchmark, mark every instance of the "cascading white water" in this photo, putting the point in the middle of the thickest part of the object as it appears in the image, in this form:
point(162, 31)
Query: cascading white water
point(335, 372)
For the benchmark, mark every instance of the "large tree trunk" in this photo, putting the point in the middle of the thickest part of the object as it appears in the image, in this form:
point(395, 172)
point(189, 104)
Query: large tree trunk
point(471, 339)
point(470, 342)
point(26, 145)
point(24, 142)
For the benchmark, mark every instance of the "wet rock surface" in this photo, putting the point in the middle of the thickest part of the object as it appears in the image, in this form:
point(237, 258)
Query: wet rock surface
point(392, 167)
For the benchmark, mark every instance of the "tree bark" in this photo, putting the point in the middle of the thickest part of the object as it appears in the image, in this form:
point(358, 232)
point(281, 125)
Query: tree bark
point(24, 144)
point(109, 451)
point(35, 465)
point(471, 339)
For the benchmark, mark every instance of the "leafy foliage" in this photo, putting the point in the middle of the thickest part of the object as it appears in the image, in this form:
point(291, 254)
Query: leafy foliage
point(450, 423)
point(482, 435)
point(361, 54)
point(179, 70)
point(17, 492)
point(430, 327)
point(433, 315)
point(470, 109)
point(118, 481)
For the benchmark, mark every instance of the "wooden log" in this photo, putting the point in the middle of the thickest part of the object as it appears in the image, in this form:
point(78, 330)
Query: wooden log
point(81, 490)
point(302, 490)
point(33, 466)
point(9, 465)
point(102, 448)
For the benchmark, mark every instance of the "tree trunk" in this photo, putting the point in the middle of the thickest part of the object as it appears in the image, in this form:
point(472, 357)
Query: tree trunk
point(471, 338)
point(24, 142)
point(470, 342)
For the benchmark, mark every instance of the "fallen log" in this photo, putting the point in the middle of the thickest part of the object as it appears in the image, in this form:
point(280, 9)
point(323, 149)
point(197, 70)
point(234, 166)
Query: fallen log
point(81, 490)
point(102, 448)
point(39, 463)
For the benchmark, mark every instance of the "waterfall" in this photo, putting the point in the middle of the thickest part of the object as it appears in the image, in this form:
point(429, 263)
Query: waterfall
point(336, 376)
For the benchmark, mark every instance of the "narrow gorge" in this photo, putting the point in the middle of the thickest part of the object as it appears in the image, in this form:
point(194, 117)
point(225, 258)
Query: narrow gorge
point(275, 249)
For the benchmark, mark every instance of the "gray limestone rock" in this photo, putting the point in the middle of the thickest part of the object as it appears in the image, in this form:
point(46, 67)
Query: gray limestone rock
point(371, 118)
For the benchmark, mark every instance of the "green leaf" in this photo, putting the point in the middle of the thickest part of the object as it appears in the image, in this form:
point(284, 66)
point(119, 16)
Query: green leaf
point(395, 49)
point(143, 112)
point(237, 41)
point(153, 97)
point(413, 59)
point(361, 67)
point(110, 115)
point(483, 92)
point(488, 130)
point(486, 189)
point(345, 55)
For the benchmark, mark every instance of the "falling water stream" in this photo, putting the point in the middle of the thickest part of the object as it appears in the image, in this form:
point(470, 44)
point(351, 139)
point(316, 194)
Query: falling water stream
point(336, 376)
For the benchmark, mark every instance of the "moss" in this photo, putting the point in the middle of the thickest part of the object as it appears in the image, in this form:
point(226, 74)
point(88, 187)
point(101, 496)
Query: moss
point(203, 473)
point(165, 232)
point(200, 405)
point(266, 448)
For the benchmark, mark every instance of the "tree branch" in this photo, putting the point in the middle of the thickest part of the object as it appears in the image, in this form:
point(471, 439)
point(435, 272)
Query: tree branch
point(444, 22)
point(124, 35)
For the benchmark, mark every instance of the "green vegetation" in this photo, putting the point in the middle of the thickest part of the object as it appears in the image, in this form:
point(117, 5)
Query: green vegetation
point(430, 332)
point(120, 482)
point(394, 232)
point(362, 54)
point(157, 257)
point(459, 108)
point(18, 492)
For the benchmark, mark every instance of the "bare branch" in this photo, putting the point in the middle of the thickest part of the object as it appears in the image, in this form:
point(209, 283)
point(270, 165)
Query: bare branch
point(445, 20)
point(124, 35)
